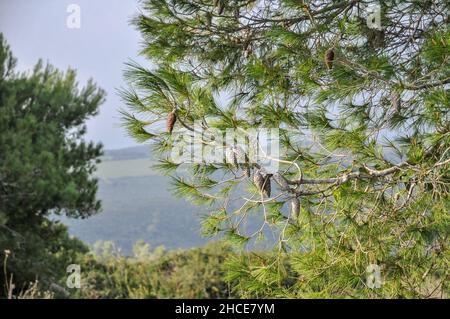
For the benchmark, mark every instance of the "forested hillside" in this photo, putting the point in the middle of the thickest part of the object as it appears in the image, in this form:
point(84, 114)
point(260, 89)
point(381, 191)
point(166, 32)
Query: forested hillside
point(137, 205)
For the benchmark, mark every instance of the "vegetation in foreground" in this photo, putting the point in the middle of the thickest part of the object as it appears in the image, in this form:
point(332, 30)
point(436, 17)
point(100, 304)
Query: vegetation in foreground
point(193, 273)
point(105, 273)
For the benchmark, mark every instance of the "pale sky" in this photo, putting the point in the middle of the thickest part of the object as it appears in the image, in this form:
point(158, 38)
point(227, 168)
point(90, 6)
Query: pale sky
point(37, 29)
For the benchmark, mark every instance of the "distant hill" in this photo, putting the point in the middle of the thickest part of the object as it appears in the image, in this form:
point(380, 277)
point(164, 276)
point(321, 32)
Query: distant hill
point(137, 204)
point(136, 152)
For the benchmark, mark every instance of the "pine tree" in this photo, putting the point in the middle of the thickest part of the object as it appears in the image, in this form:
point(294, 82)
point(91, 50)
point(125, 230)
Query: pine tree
point(45, 170)
point(363, 114)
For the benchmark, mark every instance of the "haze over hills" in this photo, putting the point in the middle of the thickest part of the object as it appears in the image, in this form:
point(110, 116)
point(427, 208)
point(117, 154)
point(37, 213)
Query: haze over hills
point(137, 204)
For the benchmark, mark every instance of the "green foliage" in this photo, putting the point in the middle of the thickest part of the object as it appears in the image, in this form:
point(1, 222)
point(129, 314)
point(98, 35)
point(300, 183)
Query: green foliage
point(194, 273)
point(45, 168)
point(366, 134)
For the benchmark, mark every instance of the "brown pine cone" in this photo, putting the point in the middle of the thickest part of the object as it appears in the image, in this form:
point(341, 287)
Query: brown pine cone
point(171, 119)
point(208, 19)
point(262, 182)
point(267, 186)
point(247, 166)
point(329, 57)
point(258, 179)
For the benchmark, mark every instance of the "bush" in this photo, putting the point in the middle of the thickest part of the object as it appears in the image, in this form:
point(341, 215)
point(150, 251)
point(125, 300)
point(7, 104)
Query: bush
point(193, 273)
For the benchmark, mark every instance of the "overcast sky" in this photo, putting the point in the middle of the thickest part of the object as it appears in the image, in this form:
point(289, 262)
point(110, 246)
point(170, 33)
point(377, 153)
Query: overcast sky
point(98, 49)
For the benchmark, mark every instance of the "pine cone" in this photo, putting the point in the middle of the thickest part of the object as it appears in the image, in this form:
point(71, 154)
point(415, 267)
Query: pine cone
point(247, 166)
point(242, 159)
point(248, 172)
point(238, 158)
point(295, 207)
point(231, 157)
point(262, 182)
point(267, 186)
point(329, 57)
point(258, 179)
point(241, 156)
point(208, 18)
point(395, 101)
point(281, 181)
point(376, 38)
point(171, 119)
